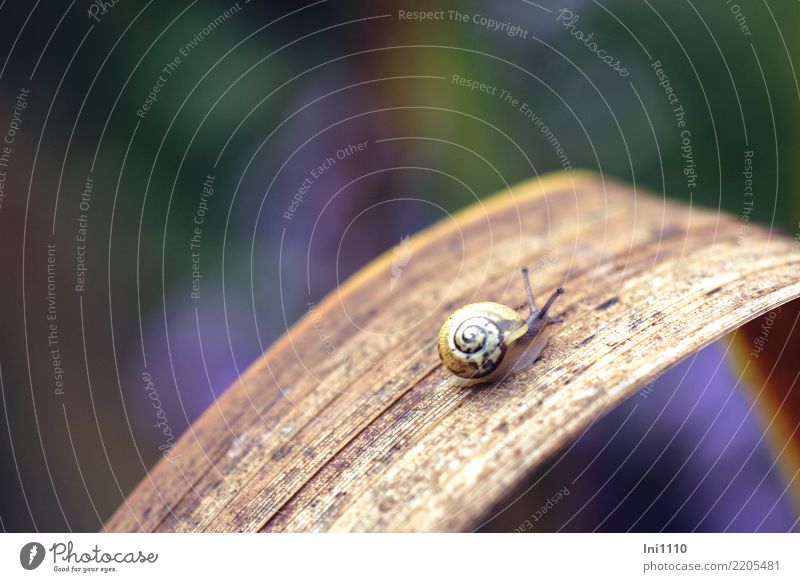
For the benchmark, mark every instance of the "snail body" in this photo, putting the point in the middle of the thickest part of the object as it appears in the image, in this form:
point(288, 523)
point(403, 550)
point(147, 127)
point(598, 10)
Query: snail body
point(486, 341)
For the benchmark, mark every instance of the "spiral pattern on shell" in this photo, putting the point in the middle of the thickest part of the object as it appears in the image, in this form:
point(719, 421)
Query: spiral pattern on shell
point(480, 343)
point(477, 333)
point(472, 342)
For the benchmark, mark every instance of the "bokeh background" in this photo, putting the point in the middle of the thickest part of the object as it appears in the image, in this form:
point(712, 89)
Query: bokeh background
point(103, 188)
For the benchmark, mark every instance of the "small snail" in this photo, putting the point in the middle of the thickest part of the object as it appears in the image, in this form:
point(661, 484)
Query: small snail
point(485, 342)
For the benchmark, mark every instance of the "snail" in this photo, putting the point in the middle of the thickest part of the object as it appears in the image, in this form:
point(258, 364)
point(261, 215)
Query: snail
point(486, 342)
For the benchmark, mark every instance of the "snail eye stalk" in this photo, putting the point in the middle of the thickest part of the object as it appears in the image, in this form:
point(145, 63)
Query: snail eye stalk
point(526, 278)
point(556, 294)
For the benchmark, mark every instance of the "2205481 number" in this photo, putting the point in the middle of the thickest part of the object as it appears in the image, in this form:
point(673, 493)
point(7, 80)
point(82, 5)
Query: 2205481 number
point(755, 565)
